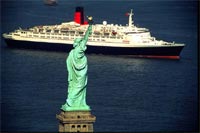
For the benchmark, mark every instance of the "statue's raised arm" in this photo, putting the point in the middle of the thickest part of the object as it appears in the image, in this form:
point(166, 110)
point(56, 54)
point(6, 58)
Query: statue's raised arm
point(89, 30)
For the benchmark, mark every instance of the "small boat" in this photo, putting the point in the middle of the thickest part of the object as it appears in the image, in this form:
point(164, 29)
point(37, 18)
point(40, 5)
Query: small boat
point(50, 2)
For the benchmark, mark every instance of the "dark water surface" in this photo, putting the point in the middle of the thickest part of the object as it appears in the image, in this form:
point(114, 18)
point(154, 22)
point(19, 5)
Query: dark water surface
point(125, 94)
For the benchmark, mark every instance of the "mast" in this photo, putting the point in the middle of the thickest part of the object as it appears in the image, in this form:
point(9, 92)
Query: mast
point(130, 21)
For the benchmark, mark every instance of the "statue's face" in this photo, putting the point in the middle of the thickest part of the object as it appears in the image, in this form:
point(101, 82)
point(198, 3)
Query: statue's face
point(77, 41)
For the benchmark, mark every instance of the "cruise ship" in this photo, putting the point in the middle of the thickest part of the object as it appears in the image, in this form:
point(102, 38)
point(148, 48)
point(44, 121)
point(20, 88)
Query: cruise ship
point(112, 39)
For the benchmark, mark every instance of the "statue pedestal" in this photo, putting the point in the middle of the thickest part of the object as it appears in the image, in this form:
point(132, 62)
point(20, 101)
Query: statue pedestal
point(76, 121)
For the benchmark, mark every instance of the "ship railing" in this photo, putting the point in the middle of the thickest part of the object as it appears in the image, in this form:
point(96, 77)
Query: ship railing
point(104, 38)
point(69, 36)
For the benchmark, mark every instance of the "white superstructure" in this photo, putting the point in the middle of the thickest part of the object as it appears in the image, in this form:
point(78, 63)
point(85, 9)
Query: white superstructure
point(110, 35)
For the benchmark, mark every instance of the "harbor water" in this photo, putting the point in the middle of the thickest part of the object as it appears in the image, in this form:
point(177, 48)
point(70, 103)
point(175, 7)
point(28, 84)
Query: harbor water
point(124, 93)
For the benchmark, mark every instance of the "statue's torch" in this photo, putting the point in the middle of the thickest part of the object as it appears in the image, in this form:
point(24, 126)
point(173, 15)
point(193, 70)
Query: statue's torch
point(90, 21)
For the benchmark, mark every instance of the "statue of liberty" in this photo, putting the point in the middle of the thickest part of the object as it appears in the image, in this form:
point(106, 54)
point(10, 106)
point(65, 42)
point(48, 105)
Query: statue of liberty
point(77, 74)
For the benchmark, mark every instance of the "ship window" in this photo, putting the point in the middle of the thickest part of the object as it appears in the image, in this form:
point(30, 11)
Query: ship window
point(97, 33)
point(64, 31)
point(72, 32)
point(84, 126)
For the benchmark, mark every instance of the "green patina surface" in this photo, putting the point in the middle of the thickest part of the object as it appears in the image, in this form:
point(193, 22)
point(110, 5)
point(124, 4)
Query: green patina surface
point(77, 75)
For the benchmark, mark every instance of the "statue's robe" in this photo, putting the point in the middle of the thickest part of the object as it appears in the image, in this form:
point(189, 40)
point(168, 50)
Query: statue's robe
point(77, 77)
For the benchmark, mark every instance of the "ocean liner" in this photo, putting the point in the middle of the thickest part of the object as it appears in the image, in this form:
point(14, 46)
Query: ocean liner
point(106, 38)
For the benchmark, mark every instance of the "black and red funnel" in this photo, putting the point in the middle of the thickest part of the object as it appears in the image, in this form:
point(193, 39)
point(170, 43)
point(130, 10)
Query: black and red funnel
point(79, 15)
